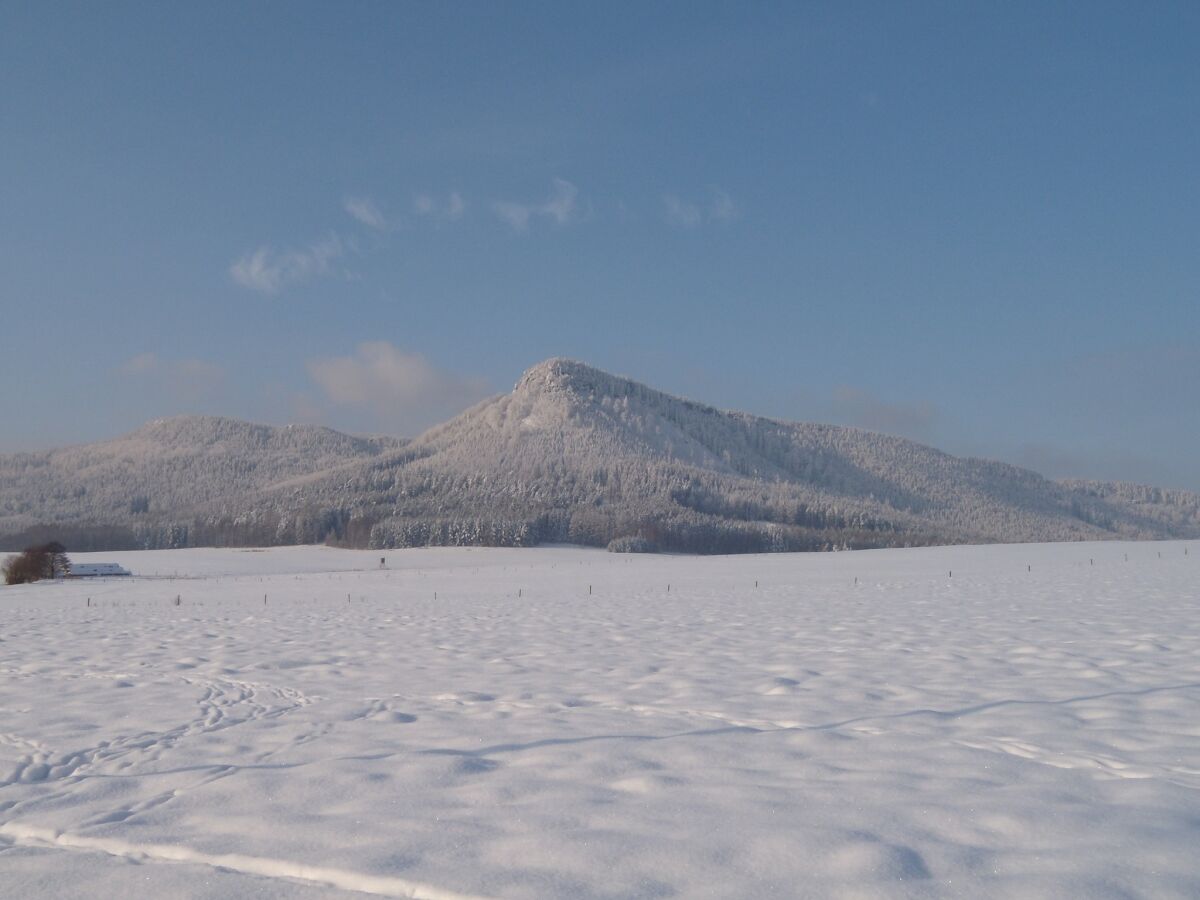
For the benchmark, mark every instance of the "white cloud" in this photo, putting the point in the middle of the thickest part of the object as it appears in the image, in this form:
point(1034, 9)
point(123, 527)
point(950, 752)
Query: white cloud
point(687, 214)
point(365, 211)
point(561, 205)
point(859, 407)
point(187, 377)
point(401, 391)
point(141, 364)
point(559, 208)
point(450, 210)
point(680, 213)
point(269, 272)
point(722, 207)
point(515, 214)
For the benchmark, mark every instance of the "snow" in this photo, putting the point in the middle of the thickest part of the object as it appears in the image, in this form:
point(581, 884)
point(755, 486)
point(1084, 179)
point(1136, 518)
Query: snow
point(1002, 721)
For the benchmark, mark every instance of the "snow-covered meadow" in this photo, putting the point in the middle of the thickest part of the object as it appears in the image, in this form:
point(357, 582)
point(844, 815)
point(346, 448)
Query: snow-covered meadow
point(1004, 721)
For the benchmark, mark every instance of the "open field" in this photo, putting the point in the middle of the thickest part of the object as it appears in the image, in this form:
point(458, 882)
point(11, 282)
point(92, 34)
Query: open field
point(1004, 721)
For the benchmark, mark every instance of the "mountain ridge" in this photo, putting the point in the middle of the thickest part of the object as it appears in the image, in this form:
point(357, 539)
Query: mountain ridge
point(166, 468)
point(575, 454)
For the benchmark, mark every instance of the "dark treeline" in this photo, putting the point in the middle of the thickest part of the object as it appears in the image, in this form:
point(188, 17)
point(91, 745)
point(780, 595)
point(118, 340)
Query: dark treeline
point(80, 538)
point(40, 561)
point(679, 531)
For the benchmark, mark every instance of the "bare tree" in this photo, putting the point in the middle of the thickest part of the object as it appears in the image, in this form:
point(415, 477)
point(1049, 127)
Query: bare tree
point(38, 562)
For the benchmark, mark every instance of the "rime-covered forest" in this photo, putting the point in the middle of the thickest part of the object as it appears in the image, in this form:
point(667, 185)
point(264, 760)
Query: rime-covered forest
point(151, 488)
point(571, 455)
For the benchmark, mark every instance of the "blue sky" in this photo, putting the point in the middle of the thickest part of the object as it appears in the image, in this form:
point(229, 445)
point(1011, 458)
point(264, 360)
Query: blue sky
point(973, 224)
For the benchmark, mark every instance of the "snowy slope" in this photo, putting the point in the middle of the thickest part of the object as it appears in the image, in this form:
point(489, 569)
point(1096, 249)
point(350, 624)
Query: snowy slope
point(1002, 721)
point(610, 457)
point(164, 471)
point(571, 454)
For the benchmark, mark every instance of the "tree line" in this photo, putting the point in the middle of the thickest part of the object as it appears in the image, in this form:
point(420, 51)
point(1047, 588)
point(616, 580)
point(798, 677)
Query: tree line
point(37, 562)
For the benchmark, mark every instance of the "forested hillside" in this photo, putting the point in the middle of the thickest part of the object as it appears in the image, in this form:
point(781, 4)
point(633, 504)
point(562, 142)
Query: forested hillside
point(146, 488)
point(571, 454)
point(578, 455)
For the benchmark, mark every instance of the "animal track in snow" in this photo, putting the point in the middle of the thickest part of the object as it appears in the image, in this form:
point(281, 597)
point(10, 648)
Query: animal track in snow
point(222, 704)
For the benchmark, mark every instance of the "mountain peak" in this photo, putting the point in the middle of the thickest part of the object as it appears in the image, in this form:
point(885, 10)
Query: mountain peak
point(562, 376)
point(558, 372)
point(573, 454)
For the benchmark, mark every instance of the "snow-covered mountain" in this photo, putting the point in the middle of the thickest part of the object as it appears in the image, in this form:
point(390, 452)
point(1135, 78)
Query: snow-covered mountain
point(575, 454)
point(139, 489)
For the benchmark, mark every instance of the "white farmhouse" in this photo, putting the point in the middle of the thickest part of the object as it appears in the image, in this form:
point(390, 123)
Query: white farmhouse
point(96, 570)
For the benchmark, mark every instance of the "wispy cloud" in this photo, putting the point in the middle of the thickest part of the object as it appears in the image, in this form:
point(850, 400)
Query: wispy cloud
point(1102, 464)
point(142, 364)
point(856, 406)
point(186, 377)
point(449, 210)
point(400, 391)
point(515, 214)
point(680, 212)
point(559, 208)
point(687, 214)
point(269, 272)
point(364, 210)
point(722, 207)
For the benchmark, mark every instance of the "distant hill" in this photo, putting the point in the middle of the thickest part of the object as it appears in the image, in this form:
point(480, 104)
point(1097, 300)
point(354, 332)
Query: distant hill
point(572, 454)
point(148, 488)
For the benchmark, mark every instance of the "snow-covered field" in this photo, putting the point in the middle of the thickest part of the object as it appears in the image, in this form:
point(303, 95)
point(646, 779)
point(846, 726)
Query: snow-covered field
point(559, 723)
